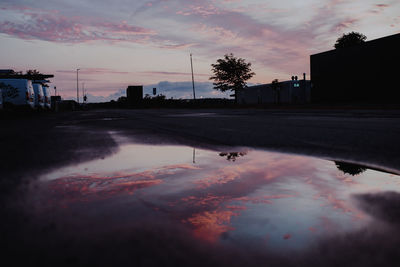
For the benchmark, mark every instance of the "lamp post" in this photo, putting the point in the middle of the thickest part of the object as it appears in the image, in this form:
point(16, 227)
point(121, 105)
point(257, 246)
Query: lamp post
point(77, 86)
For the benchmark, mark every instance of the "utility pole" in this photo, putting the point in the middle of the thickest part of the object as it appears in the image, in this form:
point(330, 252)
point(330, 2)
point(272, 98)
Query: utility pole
point(191, 64)
point(77, 86)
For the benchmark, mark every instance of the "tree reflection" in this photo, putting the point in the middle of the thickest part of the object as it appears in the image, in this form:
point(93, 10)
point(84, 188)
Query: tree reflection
point(350, 168)
point(232, 156)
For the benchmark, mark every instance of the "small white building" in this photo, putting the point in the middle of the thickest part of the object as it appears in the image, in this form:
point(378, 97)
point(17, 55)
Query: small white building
point(1, 99)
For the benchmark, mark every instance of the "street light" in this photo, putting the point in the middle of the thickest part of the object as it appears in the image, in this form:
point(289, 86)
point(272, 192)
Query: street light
point(77, 86)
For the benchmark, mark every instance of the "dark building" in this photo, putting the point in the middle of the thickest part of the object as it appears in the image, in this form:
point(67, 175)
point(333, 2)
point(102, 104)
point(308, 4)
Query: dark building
point(289, 92)
point(366, 73)
point(134, 94)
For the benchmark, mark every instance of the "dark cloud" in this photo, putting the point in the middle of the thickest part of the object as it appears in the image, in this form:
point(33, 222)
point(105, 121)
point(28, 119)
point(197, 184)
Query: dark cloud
point(384, 206)
point(175, 90)
point(185, 90)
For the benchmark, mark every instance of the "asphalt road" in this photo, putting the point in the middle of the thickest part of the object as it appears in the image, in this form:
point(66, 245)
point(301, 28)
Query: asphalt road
point(36, 144)
point(366, 137)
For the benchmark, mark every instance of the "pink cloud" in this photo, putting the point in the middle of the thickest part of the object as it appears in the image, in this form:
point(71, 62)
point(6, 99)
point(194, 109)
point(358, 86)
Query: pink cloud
point(209, 225)
point(179, 46)
point(168, 73)
point(52, 26)
point(345, 24)
point(81, 187)
point(287, 236)
point(93, 71)
point(204, 10)
point(382, 5)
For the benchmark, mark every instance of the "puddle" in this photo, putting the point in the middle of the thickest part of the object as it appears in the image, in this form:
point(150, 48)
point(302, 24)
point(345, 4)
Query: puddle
point(201, 114)
point(236, 198)
point(111, 119)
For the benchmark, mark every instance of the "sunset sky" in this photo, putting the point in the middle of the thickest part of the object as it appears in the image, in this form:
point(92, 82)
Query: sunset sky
point(120, 43)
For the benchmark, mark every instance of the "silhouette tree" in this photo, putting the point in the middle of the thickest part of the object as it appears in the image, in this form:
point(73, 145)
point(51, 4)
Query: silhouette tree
point(231, 73)
point(276, 89)
point(350, 39)
point(232, 156)
point(32, 72)
point(350, 168)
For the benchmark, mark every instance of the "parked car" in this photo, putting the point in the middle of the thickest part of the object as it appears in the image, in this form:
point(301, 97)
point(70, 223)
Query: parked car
point(47, 96)
point(18, 92)
point(39, 96)
point(1, 99)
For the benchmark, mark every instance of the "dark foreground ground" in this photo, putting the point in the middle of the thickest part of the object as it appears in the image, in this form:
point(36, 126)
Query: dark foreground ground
point(36, 144)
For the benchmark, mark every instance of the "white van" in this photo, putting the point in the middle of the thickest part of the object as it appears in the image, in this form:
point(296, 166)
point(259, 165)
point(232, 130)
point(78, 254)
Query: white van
point(39, 96)
point(24, 92)
point(47, 96)
point(1, 99)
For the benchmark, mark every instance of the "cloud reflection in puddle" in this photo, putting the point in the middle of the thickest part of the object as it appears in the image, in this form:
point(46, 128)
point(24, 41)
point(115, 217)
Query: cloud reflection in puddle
point(271, 200)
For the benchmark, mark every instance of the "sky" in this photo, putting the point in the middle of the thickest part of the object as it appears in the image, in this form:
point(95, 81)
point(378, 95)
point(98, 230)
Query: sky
point(142, 42)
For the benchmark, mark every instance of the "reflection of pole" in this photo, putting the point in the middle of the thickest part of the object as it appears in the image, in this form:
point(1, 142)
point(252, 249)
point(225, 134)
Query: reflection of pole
point(83, 89)
point(194, 153)
point(191, 65)
point(77, 86)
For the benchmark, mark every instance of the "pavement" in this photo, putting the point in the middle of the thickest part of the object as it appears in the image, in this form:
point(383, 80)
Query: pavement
point(35, 144)
point(38, 143)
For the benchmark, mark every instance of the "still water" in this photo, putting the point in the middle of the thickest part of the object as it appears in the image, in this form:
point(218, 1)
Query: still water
point(237, 198)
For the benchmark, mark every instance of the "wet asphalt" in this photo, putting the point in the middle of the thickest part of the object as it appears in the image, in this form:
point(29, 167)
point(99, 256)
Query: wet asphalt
point(35, 144)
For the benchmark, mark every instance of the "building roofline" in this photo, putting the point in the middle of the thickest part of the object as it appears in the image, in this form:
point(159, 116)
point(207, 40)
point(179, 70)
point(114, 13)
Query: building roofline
point(27, 76)
point(397, 35)
point(287, 81)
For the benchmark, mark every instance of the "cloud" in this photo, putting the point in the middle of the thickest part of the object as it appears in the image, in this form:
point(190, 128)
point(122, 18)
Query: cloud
point(168, 73)
point(384, 205)
point(93, 71)
point(174, 90)
point(98, 98)
point(275, 36)
point(51, 25)
point(341, 26)
point(185, 90)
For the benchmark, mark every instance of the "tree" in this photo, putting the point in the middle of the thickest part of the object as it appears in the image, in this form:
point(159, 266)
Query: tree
point(231, 73)
point(350, 168)
point(232, 156)
point(350, 39)
point(276, 88)
point(32, 72)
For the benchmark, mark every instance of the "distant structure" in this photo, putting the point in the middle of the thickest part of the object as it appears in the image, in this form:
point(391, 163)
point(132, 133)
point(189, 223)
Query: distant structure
point(10, 74)
point(366, 73)
point(293, 91)
point(134, 94)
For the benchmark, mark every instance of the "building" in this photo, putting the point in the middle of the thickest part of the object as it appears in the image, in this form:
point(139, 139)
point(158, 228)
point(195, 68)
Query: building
point(288, 92)
point(365, 73)
point(134, 94)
